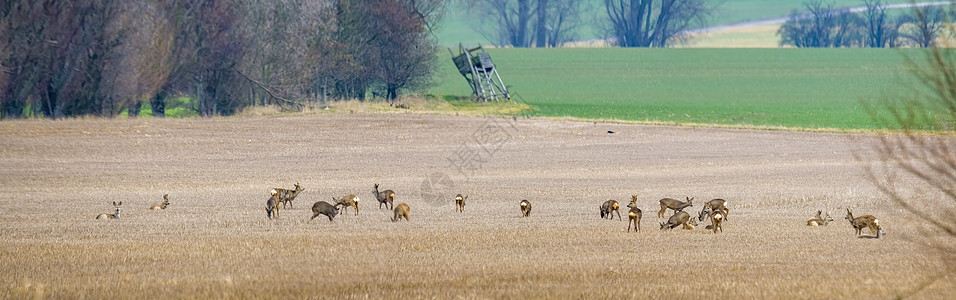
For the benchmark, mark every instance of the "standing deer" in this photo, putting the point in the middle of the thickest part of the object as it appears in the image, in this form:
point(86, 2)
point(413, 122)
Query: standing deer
point(163, 205)
point(387, 197)
point(717, 220)
point(286, 196)
point(346, 201)
point(678, 219)
point(609, 207)
point(401, 211)
point(674, 204)
point(820, 220)
point(324, 208)
point(865, 221)
point(272, 207)
point(525, 208)
point(710, 206)
point(460, 203)
point(633, 215)
point(111, 216)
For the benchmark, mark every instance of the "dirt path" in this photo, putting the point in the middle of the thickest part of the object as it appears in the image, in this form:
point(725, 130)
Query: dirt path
point(215, 241)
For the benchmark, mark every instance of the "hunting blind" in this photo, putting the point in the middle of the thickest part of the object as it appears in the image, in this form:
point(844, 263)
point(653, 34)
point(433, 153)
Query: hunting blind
point(476, 66)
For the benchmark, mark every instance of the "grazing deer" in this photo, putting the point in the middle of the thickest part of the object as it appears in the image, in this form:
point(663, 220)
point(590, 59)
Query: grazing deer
point(111, 216)
point(633, 215)
point(710, 206)
point(401, 211)
point(674, 204)
point(387, 197)
point(272, 207)
point(286, 196)
point(525, 208)
point(678, 219)
point(346, 201)
point(865, 221)
point(609, 207)
point(163, 205)
point(460, 203)
point(324, 208)
point(820, 220)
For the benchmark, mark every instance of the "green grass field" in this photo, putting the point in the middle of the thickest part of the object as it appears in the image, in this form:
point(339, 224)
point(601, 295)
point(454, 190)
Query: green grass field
point(802, 88)
point(459, 23)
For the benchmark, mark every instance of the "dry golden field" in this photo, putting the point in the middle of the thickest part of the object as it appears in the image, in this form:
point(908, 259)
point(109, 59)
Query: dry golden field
point(214, 241)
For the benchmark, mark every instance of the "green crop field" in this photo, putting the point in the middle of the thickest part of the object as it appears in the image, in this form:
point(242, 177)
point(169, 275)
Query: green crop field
point(459, 23)
point(801, 88)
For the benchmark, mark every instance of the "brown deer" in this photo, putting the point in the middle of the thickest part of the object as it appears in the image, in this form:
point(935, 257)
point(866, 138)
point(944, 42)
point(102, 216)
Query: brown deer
point(710, 206)
point(346, 201)
point(401, 211)
point(460, 203)
point(674, 204)
point(324, 208)
point(717, 220)
point(865, 221)
point(525, 208)
point(610, 206)
point(272, 207)
point(633, 215)
point(678, 219)
point(386, 197)
point(111, 216)
point(163, 205)
point(820, 220)
point(286, 196)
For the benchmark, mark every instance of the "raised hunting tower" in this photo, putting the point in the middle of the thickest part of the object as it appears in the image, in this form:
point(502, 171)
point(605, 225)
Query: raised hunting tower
point(476, 66)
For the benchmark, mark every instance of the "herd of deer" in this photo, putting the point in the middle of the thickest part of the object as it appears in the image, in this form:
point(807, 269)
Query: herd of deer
point(716, 210)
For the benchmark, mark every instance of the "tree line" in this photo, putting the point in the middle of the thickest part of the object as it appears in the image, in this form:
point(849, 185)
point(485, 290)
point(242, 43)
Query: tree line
point(823, 25)
point(102, 57)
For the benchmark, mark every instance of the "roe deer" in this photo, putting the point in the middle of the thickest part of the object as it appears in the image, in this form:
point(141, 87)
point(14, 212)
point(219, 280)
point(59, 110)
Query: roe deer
point(674, 204)
point(324, 208)
point(346, 201)
point(111, 216)
point(609, 207)
point(286, 196)
point(272, 207)
point(163, 205)
point(717, 220)
point(678, 219)
point(820, 220)
point(633, 215)
point(401, 211)
point(709, 207)
point(386, 197)
point(525, 208)
point(865, 221)
point(460, 203)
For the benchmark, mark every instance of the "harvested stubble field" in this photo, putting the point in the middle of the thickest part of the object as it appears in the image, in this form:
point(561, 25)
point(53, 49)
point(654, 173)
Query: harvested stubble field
point(215, 241)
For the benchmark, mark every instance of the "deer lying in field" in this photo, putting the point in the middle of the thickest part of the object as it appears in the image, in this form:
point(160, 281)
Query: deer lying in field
point(820, 220)
point(678, 219)
point(609, 207)
point(272, 207)
point(633, 215)
point(867, 221)
point(525, 208)
point(460, 203)
point(386, 197)
point(163, 205)
point(111, 216)
point(710, 206)
point(674, 204)
point(401, 211)
point(285, 196)
point(324, 208)
point(346, 201)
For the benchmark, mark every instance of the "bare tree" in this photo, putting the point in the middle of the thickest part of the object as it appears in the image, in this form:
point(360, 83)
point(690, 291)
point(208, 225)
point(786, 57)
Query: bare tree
point(654, 23)
point(822, 26)
point(526, 23)
point(924, 26)
point(881, 30)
